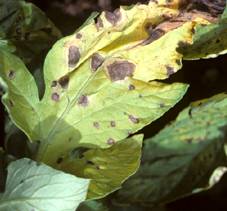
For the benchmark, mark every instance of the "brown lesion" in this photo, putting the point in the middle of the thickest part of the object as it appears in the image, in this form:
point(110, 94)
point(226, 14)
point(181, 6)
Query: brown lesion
point(98, 23)
point(188, 11)
point(96, 61)
point(64, 81)
point(119, 70)
point(73, 56)
point(113, 17)
point(83, 101)
point(211, 7)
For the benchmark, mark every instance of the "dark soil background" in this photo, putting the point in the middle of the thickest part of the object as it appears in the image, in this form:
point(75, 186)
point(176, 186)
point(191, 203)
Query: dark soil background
point(206, 77)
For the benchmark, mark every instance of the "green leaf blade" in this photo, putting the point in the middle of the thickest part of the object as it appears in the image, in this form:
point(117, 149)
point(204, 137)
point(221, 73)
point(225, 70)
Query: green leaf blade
point(36, 186)
point(107, 168)
point(214, 34)
point(184, 154)
point(21, 97)
point(27, 28)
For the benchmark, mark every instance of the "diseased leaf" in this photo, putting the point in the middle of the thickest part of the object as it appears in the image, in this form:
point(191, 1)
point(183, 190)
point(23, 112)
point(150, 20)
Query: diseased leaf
point(100, 81)
point(182, 156)
point(77, 107)
point(27, 28)
point(97, 61)
point(31, 185)
point(209, 41)
point(107, 168)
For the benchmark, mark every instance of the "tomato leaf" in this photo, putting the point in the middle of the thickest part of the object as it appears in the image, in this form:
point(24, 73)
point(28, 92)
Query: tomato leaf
point(32, 185)
point(183, 154)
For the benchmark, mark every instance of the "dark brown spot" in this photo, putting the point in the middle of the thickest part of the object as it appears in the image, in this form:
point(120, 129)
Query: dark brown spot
point(183, 45)
point(110, 141)
point(96, 125)
point(90, 162)
point(11, 103)
point(30, 162)
point(215, 8)
point(54, 83)
point(190, 112)
point(162, 105)
point(169, 70)
point(96, 61)
point(18, 31)
point(55, 97)
point(11, 74)
point(189, 141)
point(154, 35)
point(149, 28)
point(22, 181)
point(113, 124)
point(59, 160)
point(98, 23)
point(78, 35)
point(218, 41)
point(119, 70)
point(38, 142)
point(131, 87)
point(133, 119)
point(113, 17)
point(83, 101)
point(178, 61)
point(73, 56)
point(64, 81)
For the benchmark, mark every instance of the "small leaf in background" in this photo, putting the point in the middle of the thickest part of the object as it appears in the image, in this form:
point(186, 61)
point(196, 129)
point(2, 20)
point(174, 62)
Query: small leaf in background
point(27, 28)
point(35, 186)
point(182, 156)
point(6, 46)
point(209, 41)
point(107, 168)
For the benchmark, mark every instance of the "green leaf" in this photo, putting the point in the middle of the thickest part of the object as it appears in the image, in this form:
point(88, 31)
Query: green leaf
point(107, 168)
point(27, 28)
point(209, 41)
point(5, 45)
point(21, 98)
point(31, 185)
point(182, 156)
point(92, 206)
